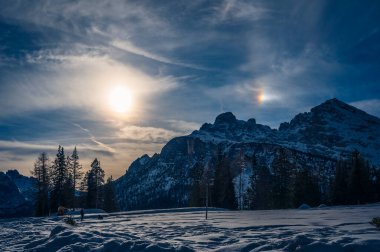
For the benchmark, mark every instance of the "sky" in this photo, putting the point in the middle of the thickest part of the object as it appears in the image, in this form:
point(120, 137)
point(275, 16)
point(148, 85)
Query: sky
point(119, 78)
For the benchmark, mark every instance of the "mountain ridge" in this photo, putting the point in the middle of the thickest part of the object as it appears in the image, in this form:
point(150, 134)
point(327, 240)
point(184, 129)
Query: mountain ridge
point(313, 139)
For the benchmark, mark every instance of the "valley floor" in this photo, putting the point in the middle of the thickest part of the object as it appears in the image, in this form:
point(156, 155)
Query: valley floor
point(327, 229)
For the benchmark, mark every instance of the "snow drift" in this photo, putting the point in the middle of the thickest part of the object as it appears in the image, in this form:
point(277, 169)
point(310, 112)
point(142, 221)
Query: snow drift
point(317, 229)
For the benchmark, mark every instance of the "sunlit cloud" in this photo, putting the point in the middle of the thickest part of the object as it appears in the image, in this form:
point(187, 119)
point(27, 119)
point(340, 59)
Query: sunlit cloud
point(81, 81)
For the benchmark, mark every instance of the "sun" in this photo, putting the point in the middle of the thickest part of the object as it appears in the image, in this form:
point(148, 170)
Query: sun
point(261, 97)
point(120, 99)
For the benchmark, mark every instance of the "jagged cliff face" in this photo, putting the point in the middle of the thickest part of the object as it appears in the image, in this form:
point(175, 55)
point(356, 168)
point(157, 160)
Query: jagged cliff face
point(313, 140)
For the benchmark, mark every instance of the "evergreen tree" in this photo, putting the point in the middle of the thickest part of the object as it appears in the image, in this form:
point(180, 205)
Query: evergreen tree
point(68, 187)
point(76, 171)
point(95, 180)
point(352, 183)
point(83, 191)
point(41, 173)
point(59, 176)
point(359, 181)
point(283, 171)
point(306, 189)
point(340, 184)
point(195, 199)
point(110, 203)
point(224, 192)
point(260, 192)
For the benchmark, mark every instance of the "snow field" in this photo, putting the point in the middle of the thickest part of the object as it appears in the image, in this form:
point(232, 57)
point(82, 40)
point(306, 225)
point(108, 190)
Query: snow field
point(344, 228)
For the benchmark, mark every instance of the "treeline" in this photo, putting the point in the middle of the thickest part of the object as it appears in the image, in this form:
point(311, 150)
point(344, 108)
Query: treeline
point(284, 184)
point(213, 184)
point(62, 182)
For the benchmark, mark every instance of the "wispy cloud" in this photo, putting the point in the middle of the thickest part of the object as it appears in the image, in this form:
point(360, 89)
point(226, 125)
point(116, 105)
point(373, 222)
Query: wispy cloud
point(94, 139)
point(147, 134)
point(235, 10)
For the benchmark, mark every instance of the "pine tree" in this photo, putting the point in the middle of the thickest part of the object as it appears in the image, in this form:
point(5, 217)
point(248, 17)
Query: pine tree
point(260, 192)
point(359, 182)
point(41, 173)
point(59, 177)
point(195, 199)
point(83, 191)
point(352, 184)
point(68, 187)
point(110, 203)
point(95, 180)
point(283, 171)
point(76, 171)
point(224, 192)
point(340, 183)
point(306, 189)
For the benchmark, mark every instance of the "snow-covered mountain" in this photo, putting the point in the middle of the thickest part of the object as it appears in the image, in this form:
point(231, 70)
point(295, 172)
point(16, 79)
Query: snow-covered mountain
point(315, 140)
point(330, 129)
point(16, 192)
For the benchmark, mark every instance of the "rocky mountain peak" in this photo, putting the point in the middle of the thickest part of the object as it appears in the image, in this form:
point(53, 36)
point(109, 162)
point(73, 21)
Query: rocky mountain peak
point(226, 117)
point(335, 106)
point(14, 174)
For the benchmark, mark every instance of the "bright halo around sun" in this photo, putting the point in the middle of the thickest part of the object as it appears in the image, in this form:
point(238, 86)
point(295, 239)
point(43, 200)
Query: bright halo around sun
point(120, 99)
point(261, 97)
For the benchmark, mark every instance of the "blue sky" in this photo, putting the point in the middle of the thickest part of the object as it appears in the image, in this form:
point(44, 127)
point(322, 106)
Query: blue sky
point(181, 62)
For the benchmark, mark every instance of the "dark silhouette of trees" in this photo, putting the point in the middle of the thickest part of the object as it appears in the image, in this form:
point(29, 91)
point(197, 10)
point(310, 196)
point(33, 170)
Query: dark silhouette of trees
point(57, 184)
point(75, 169)
point(359, 180)
point(196, 197)
point(41, 173)
point(95, 181)
point(59, 174)
point(260, 193)
point(306, 189)
point(340, 184)
point(352, 183)
point(224, 193)
point(283, 171)
point(110, 203)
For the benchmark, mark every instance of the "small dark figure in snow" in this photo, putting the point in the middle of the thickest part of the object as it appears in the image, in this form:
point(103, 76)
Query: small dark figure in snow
point(81, 214)
point(100, 217)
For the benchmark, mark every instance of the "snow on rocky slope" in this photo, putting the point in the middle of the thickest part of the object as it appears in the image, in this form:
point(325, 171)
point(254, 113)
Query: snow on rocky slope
point(342, 228)
point(26, 185)
point(314, 140)
point(12, 201)
point(328, 129)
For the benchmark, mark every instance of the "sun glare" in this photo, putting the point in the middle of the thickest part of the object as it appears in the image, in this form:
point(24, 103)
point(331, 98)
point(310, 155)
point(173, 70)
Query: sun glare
point(120, 99)
point(261, 97)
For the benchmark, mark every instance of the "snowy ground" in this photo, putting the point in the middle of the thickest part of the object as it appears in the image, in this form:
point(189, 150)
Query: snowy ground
point(326, 229)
